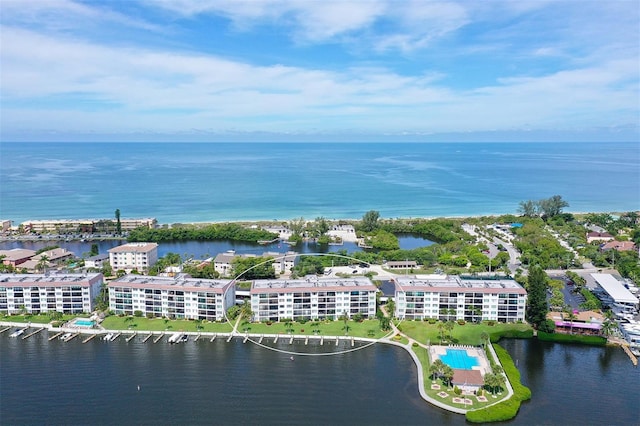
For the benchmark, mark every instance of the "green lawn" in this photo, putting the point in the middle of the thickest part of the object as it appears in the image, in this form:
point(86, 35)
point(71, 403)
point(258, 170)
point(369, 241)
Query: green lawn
point(37, 319)
point(326, 328)
point(468, 334)
point(158, 324)
point(423, 356)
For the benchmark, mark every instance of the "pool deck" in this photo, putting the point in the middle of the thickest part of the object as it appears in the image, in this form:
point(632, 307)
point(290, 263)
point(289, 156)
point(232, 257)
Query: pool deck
point(436, 352)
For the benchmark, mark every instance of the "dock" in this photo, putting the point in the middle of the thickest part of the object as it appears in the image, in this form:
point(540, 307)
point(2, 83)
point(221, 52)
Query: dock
point(31, 334)
point(306, 340)
point(89, 338)
point(245, 339)
point(5, 329)
point(337, 341)
point(56, 335)
point(353, 342)
point(147, 338)
point(261, 337)
point(213, 338)
point(197, 337)
point(275, 340)
point(291, 340)
point(116, 336)
point(322, 341)
point(128, 339)
point(73, 336)
point(634, 360)
point(230, 337)
point(157, 339)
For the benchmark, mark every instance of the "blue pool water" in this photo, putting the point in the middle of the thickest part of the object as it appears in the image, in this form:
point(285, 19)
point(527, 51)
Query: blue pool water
point(83, 323)
point(458, 358)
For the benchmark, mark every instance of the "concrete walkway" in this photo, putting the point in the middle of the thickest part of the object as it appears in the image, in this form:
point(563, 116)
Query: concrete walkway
point(421, 388)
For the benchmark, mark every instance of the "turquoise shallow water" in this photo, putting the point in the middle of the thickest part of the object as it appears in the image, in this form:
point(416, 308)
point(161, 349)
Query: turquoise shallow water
point(458, 358)
point(187, 182)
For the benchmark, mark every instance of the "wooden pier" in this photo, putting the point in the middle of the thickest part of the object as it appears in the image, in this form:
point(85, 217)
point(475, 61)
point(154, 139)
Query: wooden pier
point(73, 336)
point(245, 339)
point(261, 337)
point(157, 339)
point(337, 341)
point(322, 341)
point(31, 334)
point(306, 340)
point(56, 335)
point(116, 336)
point(197, 337)
point(275, 340)
point(147, 338)
point(128, 339)
point(213, 338)
point(230, 337)
point(89, 338)
point(5, 329)
point(291, 340)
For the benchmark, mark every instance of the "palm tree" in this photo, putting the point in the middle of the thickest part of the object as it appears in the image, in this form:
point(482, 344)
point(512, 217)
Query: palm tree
point(609, 323)
point(484, 336)
point(449, 325)
point(452, 312)
point(447, 374)
point(440, 330)
point(43, 262)
point(571, 316)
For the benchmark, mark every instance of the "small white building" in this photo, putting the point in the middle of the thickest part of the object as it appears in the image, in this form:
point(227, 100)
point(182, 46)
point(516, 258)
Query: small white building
point(282, 263)
point(38, 293)
point(171, 297)
point(138, 256)
point(223, 263)
point(312, 298)
point(96, 261)
point(452, 297)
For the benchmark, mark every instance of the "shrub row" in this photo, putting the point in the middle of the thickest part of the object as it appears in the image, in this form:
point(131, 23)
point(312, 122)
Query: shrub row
point(508, 409)
point(511, 334)
point(572, 338)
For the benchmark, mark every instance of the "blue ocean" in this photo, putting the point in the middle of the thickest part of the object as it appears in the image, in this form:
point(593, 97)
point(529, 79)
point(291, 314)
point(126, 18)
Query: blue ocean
point(200, 182)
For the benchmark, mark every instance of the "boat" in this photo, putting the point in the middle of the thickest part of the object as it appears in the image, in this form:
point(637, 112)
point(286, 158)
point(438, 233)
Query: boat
point(175, 338)
point(17, 333)
point(184, 338)
point(108, 337)
point(66, 337)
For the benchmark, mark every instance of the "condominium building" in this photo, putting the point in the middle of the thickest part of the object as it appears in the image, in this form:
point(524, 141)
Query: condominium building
point(453, 297)
point(138, 256)
point(86, 225)
point(171, 297)
point(38, 293)
point(312, 298)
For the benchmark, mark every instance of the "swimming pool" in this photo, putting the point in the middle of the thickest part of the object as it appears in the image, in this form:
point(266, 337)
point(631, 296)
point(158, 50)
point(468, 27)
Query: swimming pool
point(459, 359)
point(83, 322)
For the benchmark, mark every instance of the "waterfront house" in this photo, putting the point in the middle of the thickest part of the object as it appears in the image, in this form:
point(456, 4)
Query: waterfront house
point(39, 293)
point(312, 297)
point(585, 322)
point(223, 263)
point(282, 263)
point(133, 256)
point(96, 261)
point(451, 297)
point(181, 297)
point(16, 256)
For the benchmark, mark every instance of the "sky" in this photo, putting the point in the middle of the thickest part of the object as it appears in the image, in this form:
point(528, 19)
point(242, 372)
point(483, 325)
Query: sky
point(275, 70)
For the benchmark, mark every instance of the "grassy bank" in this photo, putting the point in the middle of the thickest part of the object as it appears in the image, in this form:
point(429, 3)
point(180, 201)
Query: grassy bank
point(38, 319)
point(572, 338)
point(366, 328)
point(508, 409)
point(467, 334)
point(159, 324)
